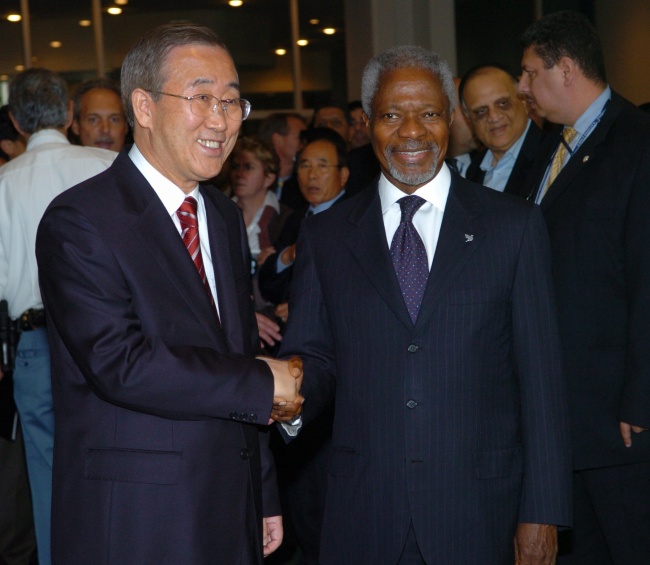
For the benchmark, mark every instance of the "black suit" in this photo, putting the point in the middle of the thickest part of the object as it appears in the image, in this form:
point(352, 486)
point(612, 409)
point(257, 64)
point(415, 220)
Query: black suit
point(456, 424)
point(157, 455)
point(518, 180)
point(598, 217)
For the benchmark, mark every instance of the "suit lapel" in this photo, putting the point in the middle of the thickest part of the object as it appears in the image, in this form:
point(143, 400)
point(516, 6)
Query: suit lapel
point(585, 154)
point(367, 242)
point(153, 227)
point(461, 234)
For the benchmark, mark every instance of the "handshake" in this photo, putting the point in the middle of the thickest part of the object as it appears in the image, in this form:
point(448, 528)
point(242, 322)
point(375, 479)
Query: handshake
point(287, 379)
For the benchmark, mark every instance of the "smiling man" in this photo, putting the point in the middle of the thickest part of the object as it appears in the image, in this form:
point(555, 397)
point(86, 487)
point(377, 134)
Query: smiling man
point(500, 121)
point(423, 308)
point(160, 453)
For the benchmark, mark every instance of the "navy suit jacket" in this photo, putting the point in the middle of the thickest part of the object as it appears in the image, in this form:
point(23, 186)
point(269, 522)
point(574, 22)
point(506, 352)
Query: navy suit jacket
point(157, 455)
point(458, 423)
point(598, 217)
point(518, 180)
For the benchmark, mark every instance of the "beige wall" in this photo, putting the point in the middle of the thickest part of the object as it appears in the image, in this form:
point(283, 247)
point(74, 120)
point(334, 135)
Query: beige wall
point(624, 29)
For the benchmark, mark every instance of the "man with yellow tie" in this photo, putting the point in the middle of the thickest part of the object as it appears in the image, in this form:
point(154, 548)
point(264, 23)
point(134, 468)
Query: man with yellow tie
point(593, 185)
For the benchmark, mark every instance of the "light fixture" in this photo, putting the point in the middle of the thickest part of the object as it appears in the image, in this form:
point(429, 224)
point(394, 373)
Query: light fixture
point(121, 2)
point(4, 77)
point(55, 44)
point(14, 17)
point(302, 42)
point(20, 68)
point(280, 51)
point(114, 11)
point(329, 31)
point(235, 3)
point(85, 23)
point(314, 21)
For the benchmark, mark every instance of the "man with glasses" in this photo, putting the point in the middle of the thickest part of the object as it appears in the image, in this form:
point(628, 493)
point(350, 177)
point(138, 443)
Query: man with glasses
point(161, 408)
point(500, 121)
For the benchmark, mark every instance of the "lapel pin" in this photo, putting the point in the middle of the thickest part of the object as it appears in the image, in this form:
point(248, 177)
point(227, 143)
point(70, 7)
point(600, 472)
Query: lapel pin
point(469, 237)
point(585, 158)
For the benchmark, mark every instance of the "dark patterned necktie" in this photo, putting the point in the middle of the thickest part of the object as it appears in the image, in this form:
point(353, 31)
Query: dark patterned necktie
point(190, 234)
point(410, 256)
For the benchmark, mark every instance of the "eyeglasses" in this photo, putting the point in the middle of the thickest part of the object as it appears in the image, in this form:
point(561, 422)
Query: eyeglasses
point(204, 105)
point(320, 168)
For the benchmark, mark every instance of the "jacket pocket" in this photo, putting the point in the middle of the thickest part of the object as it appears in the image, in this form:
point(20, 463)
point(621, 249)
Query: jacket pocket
point(134, 466)
point(499, 463)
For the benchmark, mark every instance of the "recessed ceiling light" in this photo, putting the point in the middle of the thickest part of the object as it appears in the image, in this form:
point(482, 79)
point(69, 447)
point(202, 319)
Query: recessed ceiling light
point(302, 42)
point(55, 44)
point(121, 2)
point(235, 3)
point(14, 17)
point(20, 68)
point(114, 11)
point(329, 31)
point(314, 21)
point(85, 23)
point(280, 51)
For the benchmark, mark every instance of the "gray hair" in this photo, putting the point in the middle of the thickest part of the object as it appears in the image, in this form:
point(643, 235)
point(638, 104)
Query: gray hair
point(145, 64)
point(405, 57)
point(87, 86)
point(38, 99)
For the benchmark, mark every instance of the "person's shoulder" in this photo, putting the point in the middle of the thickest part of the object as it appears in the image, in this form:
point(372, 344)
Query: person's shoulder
point(489, 199)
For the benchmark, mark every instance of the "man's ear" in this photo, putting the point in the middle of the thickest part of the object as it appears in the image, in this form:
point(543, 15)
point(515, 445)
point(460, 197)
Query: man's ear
point(142, 107)
point(17, 126)
point(569, 70)
point(345, 175)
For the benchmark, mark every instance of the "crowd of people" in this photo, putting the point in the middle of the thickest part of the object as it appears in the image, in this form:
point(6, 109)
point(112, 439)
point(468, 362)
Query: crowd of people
point(410, 330)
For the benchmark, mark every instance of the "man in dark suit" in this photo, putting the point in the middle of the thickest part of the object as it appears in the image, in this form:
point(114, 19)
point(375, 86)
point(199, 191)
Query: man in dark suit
point(500, 120)
point(159, 454)
point(593, 184)
point(436, 336)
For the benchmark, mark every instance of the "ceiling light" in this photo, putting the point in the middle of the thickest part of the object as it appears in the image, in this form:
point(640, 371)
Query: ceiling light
point(55, 44)
point(235, 3)
point(14, 17)
point(302, 42)
point(329, 31)
point(20, 68)
point(314, 21)
point(114, 11)
point(280, 51)
point(121, 2)
point(85, 23)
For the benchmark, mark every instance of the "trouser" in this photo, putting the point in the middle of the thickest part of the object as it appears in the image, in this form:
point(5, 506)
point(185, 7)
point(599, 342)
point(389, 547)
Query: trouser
point(33, 396)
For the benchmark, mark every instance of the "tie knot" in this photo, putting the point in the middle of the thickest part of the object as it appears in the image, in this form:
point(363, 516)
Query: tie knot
point(409, 206)
point(188, 206)
point(569, 133)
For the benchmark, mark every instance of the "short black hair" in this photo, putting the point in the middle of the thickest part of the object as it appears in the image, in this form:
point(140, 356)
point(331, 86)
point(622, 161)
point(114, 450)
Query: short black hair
point(332, 104)
point(278, 122)
point(567, 34)
point(92, 84)
point(326, 134)
point(476, 70)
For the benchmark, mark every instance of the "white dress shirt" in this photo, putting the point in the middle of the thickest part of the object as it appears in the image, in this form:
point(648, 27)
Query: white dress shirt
point(28, 184)
point(428, 219)
point(172, 197)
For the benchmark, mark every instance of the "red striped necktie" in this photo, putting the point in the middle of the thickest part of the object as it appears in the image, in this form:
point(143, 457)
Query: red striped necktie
point(190, 233)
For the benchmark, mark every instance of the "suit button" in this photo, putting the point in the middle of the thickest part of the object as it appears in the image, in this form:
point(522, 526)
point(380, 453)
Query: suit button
point(411, 404)
point(234, 416)
point(252, 418)
point(244, 454)
point(412, 348)
point(243, 417)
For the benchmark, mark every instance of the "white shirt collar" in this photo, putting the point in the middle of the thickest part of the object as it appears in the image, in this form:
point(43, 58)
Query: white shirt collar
point(435, 191)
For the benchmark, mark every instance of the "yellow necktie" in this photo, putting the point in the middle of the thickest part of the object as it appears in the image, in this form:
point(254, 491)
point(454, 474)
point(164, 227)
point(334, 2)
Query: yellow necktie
point(556, 166)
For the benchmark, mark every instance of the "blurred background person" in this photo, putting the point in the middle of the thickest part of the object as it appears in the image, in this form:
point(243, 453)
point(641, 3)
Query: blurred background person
point(99, 119)
point(358, 131)
point(462, 143)
point(12, 143)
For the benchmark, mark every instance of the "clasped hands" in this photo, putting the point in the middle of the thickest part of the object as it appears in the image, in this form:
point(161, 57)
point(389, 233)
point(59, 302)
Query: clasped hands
point(287, 379)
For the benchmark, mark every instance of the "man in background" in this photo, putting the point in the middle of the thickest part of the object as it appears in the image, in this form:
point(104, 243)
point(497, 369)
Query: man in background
point(592, 181)
point(462, 143)
point(510, 140)
point(99, 119)
point(40, 111)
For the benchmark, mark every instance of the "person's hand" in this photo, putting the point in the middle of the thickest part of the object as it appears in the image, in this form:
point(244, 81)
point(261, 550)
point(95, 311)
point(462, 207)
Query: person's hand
point(282, 311)
point(269, 331)
point(626, 432)
point(264, 255)
point(272, 534)
point(284, 411)
point(287, 378)
point(288, 255)
point(535, 544)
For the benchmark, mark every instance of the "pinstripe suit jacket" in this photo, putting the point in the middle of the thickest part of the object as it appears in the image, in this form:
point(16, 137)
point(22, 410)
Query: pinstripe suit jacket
point(457, 423)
